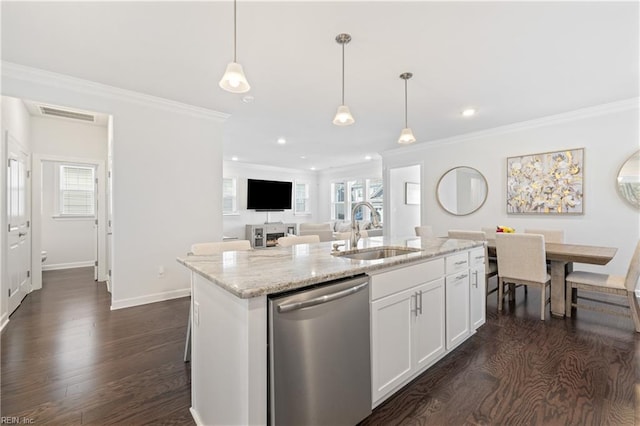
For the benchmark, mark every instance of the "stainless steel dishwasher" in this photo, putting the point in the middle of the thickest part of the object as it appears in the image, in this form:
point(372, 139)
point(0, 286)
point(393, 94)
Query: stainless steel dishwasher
point(319, 355)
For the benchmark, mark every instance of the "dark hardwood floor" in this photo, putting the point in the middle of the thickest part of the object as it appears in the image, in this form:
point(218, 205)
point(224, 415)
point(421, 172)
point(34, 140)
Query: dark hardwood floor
point(67, 359)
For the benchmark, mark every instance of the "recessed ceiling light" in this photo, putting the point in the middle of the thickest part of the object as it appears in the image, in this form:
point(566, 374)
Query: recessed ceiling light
point(304, 157)
point(313, 167)
point(234, 158)
point(247, 99)
point(367, 157)
point(469, 112)
point(282, 141)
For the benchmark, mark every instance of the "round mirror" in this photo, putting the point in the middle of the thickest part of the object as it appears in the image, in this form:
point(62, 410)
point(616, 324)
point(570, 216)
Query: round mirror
point(462, 191)
point(629, 180)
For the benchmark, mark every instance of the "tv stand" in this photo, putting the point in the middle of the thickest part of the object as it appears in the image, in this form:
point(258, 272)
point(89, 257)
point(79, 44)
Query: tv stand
point(267, 234)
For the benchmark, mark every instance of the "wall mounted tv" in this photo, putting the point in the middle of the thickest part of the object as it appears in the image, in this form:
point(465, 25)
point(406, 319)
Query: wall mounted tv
point(268, 195)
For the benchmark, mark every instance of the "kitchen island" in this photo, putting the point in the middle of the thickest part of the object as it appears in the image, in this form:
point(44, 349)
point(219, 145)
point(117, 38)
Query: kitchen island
point(230, 321)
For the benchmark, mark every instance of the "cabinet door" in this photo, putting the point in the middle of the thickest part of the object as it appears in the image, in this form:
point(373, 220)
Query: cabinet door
point(457, 308)
point(478, 297)
point(429, 330)
point(391, 342)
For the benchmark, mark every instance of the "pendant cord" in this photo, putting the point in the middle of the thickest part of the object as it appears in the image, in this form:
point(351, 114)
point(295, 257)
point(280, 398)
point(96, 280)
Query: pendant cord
point(234, 31)
point(342, 73)
point(405, 104)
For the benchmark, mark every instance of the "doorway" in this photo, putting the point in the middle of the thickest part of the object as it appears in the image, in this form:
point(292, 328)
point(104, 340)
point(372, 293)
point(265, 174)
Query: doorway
point(405, 197)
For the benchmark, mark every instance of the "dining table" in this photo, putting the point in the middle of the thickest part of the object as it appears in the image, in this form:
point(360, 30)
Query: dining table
point(561, 257)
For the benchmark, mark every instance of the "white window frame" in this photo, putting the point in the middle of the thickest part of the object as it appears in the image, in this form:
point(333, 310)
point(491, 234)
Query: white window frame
point(307, 199)
point(234, 197)
point(59, 199)
point(348, 183)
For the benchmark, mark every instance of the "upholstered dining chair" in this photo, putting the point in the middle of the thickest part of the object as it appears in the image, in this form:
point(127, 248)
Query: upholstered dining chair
point(295, 239)
point(347, 235)
point(621, 285)
point(490, 232)
point(209, 249)
point(491, 264)
point(522, 260)
point(323, 230)
point(424, 231)
point(550, 235)
point(204, 249)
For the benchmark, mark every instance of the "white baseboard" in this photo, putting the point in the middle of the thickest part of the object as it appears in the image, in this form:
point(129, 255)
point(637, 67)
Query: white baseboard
point(196, 417)
point(3, 322)
point(70, 265)
point(151, 298)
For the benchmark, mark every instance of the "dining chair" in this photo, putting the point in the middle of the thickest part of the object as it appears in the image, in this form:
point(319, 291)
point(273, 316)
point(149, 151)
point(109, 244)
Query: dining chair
point(491, 264)
point(550, 235)
point(295, 239)
point(490, 232)
point(621, 285)
point(323, 230)
point(424, 231)
point(347, 235)
point(209, 249)
point(522, 260)
point(205, 249)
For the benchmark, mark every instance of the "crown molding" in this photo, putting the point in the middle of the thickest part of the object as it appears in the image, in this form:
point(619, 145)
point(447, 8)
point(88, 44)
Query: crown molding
point(579, 114)
point(48, 78)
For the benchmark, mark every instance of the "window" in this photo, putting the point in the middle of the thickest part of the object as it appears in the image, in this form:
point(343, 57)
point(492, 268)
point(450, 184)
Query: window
point(302, 198)
point(357, 190)
point(337, 200)
point(229, 196)
point(77, 190)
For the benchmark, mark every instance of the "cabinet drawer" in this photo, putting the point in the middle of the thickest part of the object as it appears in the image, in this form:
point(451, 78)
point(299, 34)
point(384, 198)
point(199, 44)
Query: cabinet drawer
point(477, 257)
point(457, 262)
point(386, 283)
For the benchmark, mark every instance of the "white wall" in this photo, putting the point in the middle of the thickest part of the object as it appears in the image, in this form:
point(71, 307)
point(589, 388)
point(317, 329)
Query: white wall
point(366, 170)
point(234, 225)
point(15, 119)
point(609, 135)
point(403, 218)
point(167, 169)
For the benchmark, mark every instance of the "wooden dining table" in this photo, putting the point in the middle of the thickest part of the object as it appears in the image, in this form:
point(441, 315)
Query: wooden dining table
point(562, 256)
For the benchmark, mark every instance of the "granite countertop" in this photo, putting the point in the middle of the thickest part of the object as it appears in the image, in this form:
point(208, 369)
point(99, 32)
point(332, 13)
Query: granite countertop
point(258, 272)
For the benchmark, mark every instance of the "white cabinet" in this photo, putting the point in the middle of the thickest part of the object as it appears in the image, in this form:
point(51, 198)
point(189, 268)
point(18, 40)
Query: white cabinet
point(477, 258)
point(407, 324)
point(457, 299)
point(457, 308)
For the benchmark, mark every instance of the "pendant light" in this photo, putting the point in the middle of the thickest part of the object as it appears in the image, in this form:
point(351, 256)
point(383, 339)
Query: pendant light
point(406, 136)
point(233, 79)
point(343, 115)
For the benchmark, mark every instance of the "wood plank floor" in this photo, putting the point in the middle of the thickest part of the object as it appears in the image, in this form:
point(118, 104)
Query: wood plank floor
point(67, 359)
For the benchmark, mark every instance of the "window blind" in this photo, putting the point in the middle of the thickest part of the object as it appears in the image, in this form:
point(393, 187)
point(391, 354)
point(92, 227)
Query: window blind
point(77, 190)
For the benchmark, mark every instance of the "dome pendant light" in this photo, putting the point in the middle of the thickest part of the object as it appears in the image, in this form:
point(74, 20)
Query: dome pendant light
point(343, 115)
point(406, 136)
point(233, 79)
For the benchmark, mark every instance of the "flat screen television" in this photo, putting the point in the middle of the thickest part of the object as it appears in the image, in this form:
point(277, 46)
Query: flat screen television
point(268, 195)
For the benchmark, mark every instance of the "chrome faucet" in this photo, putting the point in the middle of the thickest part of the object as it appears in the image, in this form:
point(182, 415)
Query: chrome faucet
point(355, 227)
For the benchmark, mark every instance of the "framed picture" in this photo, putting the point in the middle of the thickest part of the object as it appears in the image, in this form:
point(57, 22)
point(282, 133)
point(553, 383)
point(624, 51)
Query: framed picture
point(411, 193)
point(546, 183)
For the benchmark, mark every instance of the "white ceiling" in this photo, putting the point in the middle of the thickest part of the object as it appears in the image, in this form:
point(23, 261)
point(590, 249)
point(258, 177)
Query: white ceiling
point(513, 61)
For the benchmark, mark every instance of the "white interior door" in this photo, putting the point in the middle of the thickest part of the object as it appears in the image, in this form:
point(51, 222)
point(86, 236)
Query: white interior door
point(18, 219)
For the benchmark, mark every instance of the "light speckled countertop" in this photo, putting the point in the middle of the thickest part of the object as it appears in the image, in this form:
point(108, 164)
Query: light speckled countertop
point(256, 272)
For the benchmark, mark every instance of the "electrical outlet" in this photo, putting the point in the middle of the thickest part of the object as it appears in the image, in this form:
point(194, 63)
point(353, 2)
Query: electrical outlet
point(196, 313)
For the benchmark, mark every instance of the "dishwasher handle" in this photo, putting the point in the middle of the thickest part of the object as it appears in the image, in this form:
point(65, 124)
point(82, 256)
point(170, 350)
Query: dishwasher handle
point(288, 307)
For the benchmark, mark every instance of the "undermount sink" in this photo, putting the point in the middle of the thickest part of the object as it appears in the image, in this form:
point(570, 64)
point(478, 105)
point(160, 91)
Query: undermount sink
point(376, 252)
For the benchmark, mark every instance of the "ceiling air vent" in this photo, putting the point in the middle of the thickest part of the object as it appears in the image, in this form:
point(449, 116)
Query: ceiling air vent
point(74, 115)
